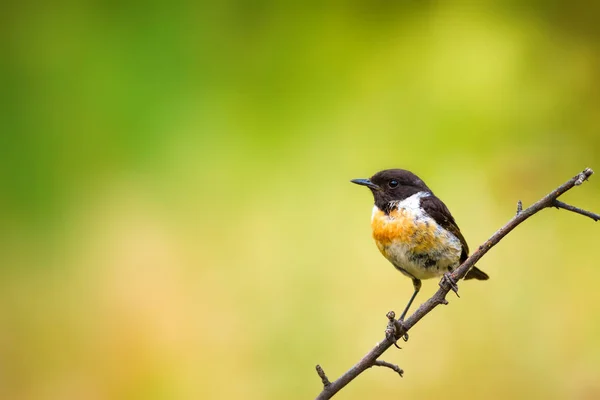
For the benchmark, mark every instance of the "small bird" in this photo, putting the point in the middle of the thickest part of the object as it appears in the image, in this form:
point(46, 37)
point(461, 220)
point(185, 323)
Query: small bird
point(414, 229)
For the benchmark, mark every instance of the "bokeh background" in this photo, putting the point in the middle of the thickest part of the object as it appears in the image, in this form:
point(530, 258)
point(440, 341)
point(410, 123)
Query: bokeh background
point(176, 220)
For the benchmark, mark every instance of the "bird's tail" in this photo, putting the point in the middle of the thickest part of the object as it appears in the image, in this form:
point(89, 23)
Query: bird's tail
point(476, 273)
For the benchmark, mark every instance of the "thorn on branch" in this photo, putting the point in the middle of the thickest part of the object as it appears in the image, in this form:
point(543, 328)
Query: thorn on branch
point(324, 378)
point(381, 363)
point(440, 298)
point(519, 207)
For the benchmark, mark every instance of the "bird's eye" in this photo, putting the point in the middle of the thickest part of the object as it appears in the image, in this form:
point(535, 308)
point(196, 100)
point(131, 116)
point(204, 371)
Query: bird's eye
point(393, 183)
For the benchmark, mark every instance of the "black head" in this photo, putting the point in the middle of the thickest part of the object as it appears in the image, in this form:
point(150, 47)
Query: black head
point(392, 185)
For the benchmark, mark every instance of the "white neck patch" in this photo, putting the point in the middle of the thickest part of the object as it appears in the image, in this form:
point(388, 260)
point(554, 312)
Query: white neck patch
point(412, 204)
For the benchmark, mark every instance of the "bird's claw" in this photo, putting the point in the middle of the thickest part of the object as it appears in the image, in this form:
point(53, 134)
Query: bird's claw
point(404, 337)
point(450, 282)
point(392, 329)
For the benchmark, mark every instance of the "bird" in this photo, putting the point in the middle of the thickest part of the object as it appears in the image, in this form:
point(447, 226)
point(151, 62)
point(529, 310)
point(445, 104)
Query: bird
point(414, 230)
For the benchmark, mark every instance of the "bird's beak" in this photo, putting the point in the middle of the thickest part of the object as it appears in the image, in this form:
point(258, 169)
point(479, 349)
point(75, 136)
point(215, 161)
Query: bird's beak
point(366, 182)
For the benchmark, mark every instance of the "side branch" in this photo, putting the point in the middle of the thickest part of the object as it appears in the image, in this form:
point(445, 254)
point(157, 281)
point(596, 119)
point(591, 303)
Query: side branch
point(397, 329)
point(322, 375)
point(560, 204)
point(393, 367)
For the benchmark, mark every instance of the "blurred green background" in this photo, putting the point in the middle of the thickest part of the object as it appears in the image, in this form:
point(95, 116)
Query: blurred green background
point(176, 220)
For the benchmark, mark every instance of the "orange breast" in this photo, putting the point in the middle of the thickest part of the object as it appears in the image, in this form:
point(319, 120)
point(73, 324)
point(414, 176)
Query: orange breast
point(402, 226)
point(407, 234)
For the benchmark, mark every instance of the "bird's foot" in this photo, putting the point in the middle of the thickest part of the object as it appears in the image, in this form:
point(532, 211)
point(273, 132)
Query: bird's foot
point(394, 326)
point(449, 283)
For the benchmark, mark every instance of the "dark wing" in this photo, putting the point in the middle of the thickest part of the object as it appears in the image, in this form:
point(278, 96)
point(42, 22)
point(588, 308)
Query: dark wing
point(437, 210)
point(440, 213)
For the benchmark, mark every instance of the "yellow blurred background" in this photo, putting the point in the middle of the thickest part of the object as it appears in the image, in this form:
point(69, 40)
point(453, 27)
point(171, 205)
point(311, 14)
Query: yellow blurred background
point(176, 217)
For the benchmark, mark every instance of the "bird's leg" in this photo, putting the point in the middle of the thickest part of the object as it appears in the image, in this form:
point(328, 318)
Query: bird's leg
point(417, 286)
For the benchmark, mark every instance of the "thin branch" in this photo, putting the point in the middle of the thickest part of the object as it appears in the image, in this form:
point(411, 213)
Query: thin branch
point(397, 329)
point(381, 363)
point(565, 206)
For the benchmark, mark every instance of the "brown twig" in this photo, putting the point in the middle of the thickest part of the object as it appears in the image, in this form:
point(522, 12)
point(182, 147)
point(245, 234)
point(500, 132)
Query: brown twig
point(397, 329)
point(560, 204)
point(324, 378)
point(381, 363)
